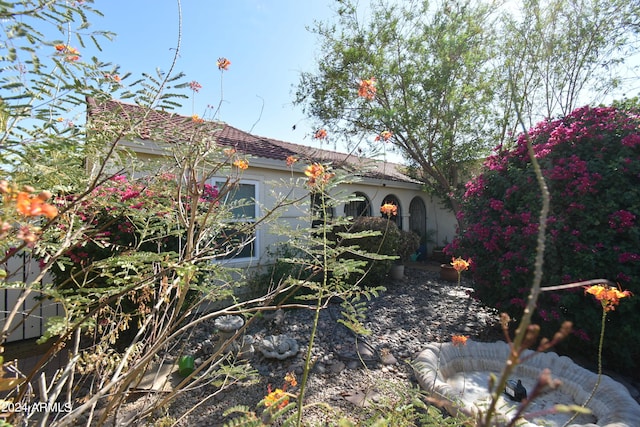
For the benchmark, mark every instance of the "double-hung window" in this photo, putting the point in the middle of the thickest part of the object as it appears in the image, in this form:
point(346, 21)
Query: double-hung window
point(239, 236)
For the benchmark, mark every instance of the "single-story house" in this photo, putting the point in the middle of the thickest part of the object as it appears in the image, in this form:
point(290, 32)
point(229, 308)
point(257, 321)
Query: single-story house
point(380, 182)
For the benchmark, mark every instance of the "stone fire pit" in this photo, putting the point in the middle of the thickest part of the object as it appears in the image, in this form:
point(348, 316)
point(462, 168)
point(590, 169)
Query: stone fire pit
point(460, 376)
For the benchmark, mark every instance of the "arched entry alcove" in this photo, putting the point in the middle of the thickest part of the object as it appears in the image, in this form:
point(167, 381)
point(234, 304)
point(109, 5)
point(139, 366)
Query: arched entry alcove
point(356, 208)
point(394, 201)
point(418, 217)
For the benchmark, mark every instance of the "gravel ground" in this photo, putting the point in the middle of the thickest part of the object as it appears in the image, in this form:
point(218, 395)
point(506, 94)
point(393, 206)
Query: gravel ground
point(410, 313)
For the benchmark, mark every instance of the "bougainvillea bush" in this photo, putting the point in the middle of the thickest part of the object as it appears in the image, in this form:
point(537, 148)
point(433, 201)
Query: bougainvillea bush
point(591, 163)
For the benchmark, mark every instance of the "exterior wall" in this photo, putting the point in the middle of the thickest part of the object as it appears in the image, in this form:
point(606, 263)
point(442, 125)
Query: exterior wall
point(274, 180)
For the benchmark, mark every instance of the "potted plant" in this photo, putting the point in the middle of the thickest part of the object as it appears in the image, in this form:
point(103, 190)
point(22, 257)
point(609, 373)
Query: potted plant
point(408, 244)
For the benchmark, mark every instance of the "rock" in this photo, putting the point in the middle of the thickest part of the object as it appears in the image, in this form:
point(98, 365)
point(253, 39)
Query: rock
point(387, 358)
point(337, 367)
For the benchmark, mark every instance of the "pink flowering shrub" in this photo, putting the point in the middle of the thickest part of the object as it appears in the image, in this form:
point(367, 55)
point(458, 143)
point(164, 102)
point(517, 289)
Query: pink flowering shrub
point(591, 162)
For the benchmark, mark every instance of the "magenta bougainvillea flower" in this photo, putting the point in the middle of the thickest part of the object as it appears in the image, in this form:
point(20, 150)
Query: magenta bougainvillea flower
point(591, 164)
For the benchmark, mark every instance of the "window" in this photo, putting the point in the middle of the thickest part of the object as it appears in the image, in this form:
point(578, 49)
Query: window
point(243, 239)
point(356, 208)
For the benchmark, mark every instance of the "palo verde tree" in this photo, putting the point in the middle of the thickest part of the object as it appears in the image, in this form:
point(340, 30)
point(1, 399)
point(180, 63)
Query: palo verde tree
point(429, 68)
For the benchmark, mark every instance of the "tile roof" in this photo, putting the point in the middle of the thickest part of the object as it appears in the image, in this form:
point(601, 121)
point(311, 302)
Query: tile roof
point(155, 125)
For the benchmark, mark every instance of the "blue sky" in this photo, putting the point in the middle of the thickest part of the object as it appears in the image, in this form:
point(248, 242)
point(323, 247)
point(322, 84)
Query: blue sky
point(266, 41)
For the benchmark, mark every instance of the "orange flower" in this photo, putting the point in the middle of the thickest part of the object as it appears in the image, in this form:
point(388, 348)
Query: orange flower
point(367, 88)
point(317, 174)
point(320, 134)
point(71, 53)
point(608, 297)
point(459, 340)
point(389, 209)
point(460, 265)
point(241, 164)
point(197, 119)
point(229, 152)
point(290, 378)
point(223, 63)
point(291, 160)
point(28, 205)
point(314, 171)
point(384, 135)
point(274, 396)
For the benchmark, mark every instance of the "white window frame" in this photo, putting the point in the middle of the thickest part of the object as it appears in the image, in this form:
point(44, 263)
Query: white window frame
point(219, 181)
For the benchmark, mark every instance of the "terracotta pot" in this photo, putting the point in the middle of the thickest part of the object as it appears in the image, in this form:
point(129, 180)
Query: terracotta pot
point(448, 273)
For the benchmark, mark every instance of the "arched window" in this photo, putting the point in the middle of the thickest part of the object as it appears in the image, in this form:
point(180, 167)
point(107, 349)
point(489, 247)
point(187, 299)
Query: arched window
point(360, 207)
point(418, 217)
point(394, 201)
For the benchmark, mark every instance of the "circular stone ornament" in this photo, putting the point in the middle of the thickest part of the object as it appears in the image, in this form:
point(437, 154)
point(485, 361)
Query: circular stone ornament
point(228, 323)
point(278, 347)
point(459, 376)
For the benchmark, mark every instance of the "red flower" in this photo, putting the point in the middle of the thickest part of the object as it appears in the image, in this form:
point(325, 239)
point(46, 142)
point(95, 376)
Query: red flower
point(195, 86)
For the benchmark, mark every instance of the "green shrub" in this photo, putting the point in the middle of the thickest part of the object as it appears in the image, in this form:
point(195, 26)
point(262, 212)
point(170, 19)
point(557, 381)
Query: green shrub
point(408, 244)
point(384, 242)
point(591, 163)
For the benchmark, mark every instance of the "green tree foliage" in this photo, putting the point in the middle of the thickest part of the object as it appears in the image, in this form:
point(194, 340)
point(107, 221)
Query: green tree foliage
point(447, 73)
point(433, 81)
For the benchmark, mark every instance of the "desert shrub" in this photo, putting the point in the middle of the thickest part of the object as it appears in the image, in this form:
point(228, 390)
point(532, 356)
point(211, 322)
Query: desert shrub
point(408, 244)
point(591, 163)
point(384, 242)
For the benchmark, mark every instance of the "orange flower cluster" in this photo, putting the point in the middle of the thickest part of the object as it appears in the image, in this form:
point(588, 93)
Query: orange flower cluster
point(223, 63)
point(384, 136)
point(320, 134)
point(70, 53)
point(274, 397)
point(241, 164)
point(367, 88)
point(291, 160)
point(28, 204)
point(608, 297)
point(229, 152)
point(280, 396)
point(460, 264)
point(114, 77)
point(197, 119)
point(317, 175)
point(389, 209)
point(459, 340)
